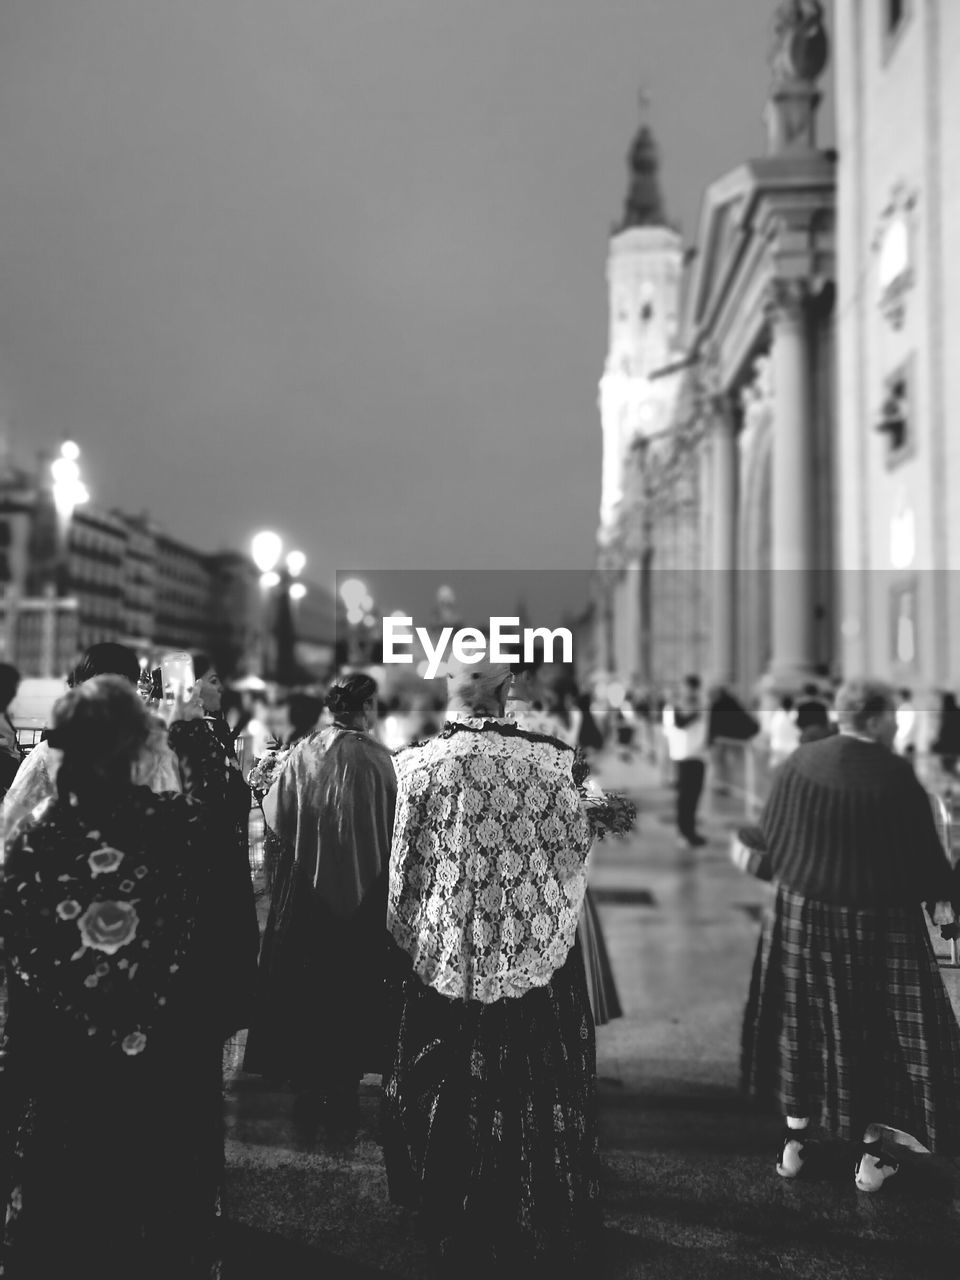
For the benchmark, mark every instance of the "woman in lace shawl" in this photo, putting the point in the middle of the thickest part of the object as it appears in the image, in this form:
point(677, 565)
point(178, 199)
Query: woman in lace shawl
point(319, 1018)
point(35, 781)
point(111, 1147)
point(489, 1122)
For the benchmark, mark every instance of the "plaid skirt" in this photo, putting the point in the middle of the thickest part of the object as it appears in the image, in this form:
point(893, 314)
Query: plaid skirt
point(848, 1022)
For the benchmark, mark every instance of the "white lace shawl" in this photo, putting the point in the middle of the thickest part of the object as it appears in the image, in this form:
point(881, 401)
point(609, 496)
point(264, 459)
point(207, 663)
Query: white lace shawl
point(487, 870)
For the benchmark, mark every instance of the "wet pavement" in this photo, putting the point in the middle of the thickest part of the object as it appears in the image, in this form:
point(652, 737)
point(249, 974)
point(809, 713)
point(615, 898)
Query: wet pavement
point(689, 1184)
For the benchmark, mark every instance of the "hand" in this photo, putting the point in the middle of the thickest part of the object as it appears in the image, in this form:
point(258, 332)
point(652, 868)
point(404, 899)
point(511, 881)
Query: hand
point(183, 707)
point(943, 913)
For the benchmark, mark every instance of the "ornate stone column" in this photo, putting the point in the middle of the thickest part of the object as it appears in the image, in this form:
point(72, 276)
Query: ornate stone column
point(723, 563)
point(793, 495)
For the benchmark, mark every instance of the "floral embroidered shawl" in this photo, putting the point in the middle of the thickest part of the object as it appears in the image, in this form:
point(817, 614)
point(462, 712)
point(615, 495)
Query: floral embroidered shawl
point(487, 871)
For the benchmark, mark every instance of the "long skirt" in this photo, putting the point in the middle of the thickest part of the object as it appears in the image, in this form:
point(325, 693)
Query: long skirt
point(112, 1170)
point(489, 1123)
point(319, 1018)
point(601, 985)
point(848, 1023)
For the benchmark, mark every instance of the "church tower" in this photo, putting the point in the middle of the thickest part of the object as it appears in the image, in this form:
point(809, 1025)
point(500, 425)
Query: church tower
point(644, 268)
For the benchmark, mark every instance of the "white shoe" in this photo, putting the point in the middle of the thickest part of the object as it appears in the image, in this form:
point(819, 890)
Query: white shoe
point(873, 1168)
point(791, 1159)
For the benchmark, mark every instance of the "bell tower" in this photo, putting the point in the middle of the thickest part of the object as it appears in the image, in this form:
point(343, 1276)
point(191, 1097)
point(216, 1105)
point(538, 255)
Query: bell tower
point(644, 267)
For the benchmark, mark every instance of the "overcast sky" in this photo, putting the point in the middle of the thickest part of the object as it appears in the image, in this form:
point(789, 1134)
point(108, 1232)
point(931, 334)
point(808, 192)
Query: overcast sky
point(337, 266)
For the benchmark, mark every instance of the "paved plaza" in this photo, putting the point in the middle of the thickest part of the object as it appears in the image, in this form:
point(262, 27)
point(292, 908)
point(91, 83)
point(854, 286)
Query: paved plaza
point(690, 1188)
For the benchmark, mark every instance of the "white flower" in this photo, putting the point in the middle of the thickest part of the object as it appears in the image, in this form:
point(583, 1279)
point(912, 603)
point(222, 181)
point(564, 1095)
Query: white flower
point(536, 798)
point(471, 801)
point(551, 892)
point(134, 1043)
point(489, 832)
point(103, 861)
point(542, 926)
point(522, 831)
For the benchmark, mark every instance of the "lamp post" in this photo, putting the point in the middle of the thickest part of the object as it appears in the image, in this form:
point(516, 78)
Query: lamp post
point(278, 639)
point(359, 606)
point(69, 492)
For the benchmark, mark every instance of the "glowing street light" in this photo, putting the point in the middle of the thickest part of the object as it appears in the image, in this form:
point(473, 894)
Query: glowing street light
point(297, 590)
point(296, 561)
point(69, 492)
point(266, 549)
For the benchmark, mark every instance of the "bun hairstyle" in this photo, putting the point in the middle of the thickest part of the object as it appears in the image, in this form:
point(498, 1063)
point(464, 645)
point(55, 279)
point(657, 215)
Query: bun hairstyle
point(101, 726)
point(103, 660)
point(347, 694)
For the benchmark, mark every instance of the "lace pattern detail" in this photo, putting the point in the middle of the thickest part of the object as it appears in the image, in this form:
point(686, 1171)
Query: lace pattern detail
point(487, 873)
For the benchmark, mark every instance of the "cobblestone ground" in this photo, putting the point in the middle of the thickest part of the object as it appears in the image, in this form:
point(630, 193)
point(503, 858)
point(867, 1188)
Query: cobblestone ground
point(690, 1188)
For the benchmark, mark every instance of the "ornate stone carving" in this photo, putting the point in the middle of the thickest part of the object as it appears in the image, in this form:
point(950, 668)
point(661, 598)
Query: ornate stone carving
point(786, 301)
point(800, 42)
point(894, 246)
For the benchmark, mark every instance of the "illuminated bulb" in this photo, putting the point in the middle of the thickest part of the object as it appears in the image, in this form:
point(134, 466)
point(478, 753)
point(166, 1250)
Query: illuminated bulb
point(297, 591)
point(269, 579)
point(295, 563)
point(266, 549)
point(70, 450)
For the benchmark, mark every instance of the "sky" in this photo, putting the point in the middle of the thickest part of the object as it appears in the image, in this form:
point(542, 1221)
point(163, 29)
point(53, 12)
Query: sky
point(336, 267)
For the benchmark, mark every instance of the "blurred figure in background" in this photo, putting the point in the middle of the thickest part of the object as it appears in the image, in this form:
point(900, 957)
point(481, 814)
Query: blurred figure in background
point(905, 743)
point(946, 745)
point(783, 732)
point(112, 1144)
point(320, 1017)
point(685, 726)
point(11, 756)
point(298, 716)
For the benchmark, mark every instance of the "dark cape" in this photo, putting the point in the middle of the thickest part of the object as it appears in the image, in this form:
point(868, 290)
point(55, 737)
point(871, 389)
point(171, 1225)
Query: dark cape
point(111, 1143)
point(320, 1014)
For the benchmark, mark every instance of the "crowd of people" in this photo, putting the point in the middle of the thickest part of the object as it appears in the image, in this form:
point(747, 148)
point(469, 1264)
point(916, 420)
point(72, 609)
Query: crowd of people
point(430, 922)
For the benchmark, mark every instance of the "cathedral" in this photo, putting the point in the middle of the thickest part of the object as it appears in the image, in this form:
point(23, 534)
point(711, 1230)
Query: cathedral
point(716, 535)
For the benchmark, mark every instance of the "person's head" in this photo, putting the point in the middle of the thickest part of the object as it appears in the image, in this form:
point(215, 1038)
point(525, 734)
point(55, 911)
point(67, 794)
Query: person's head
point(209, 683)
point(811, 691)
point(786, 703)
point(300, 712)
point(906, 695)
point(691, 684)
point(9, 684)
point(101, 727)
point(106, 659)
point(868, 707)
point(477, 688)
point(352, 700)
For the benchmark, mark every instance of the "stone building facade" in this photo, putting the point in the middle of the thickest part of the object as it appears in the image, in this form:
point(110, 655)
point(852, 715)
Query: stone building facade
point(733, 500)
point(898, 100)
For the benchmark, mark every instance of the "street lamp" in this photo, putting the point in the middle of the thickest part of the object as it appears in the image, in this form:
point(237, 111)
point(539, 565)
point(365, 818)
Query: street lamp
point(267, 552)
point(69, 492)
point(358, 602)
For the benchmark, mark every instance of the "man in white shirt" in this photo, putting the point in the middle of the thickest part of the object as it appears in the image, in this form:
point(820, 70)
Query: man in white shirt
point(685, 726)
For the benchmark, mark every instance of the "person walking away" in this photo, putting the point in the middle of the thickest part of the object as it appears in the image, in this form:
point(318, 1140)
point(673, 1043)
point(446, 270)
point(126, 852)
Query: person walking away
point(11, 754)
point(848, 1025)
point(35, 782)
point(111, 1140)
point(489, 1114)
point(946, 745)
point(320, 1019)
point(686, 731)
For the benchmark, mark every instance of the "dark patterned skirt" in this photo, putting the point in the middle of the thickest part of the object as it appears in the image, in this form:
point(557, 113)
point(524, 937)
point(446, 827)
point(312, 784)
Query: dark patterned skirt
point(848, 1022)
point(601, 986)
point(489, 1124)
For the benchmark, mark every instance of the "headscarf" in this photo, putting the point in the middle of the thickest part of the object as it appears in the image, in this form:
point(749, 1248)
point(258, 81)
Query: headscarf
point(487, 870)
point(333, 802)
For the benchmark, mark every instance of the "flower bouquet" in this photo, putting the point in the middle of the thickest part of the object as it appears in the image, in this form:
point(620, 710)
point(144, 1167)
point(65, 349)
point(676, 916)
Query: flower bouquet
point(267, 769)
point(608, 813)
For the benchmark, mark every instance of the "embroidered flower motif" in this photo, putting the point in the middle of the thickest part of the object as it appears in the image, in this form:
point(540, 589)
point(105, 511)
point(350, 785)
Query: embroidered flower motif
point(103, 861)
point(134, 1043)
point(68, 909)
point(108, 926)
point(483, 768)
point(448, 873)
point(536, 798)
point(542, 926)
point(522, 831)
point(551, 892)
point(427, 843)
point(508, 864)
point(491, 898)
point(490, 833)
point(471, 801)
